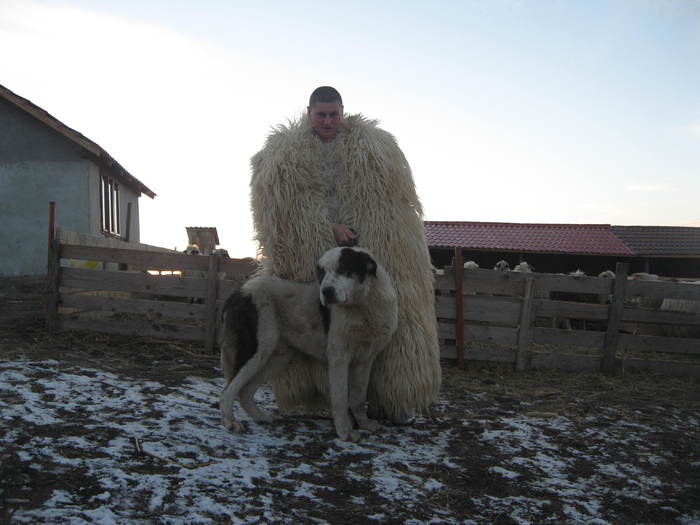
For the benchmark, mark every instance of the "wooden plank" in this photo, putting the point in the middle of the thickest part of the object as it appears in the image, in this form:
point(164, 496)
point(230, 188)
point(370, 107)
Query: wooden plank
point(644, 315)
point(609, 363)
point(244, 267)
point(547, 308)
point(574, 284)
point(448, 351)
point(495, 355)
point(553, 336)
point(524, 331)
point(137, 259)
point(489, 281)
point(135, 327)
point(503, 335)
point(166, 285)
point(651, 343)
point(153, 309)
point(567, 362)
point(663, 289)
point(52, 277)
point(494, 309)
point(459, 308)
point(443, 282)
point(210, 301)
point(671, 368)
point(511, 283)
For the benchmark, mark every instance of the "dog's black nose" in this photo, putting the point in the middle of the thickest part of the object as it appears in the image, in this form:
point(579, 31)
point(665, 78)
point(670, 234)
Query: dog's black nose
point(328, 295)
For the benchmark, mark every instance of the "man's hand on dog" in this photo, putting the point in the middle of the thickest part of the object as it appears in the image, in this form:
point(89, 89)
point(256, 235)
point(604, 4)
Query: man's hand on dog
point(344, 236)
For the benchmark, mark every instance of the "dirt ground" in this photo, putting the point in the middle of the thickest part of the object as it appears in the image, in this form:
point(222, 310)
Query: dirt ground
point(634, 441)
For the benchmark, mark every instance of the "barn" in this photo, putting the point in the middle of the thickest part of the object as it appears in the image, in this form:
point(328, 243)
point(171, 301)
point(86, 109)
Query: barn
point(42, 160)
point(563, 248)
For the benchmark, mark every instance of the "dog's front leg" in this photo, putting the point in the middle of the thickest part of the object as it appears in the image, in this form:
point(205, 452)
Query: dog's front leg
point(338, 363)
point(359, 381)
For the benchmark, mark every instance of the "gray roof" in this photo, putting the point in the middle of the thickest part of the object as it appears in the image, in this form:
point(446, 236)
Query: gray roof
point(661, 240)
point(99, 154)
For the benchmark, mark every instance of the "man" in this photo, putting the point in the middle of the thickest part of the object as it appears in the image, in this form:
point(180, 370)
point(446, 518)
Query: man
point(328, 179)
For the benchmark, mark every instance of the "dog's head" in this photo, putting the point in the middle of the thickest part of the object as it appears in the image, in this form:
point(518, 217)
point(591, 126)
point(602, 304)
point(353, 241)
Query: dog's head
point(192, 249)
point(345, 275)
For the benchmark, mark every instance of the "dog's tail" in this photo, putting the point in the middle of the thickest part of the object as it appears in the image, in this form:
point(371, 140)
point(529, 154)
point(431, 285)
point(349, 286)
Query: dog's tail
point(240, 333)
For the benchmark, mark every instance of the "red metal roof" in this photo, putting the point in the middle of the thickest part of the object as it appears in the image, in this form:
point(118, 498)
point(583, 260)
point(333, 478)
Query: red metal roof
point(588, 239)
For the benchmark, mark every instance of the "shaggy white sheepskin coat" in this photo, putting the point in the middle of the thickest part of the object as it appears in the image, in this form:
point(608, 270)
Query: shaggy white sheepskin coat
point(377, 198)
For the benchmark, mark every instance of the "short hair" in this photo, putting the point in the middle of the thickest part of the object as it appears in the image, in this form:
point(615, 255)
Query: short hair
point(325, 94)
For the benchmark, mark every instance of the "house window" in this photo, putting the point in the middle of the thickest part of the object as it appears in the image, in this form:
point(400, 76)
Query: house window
point(109, 205)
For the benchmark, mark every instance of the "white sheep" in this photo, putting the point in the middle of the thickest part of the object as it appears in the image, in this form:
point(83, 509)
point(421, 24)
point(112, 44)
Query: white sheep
point(502, 266)
point(524, 267)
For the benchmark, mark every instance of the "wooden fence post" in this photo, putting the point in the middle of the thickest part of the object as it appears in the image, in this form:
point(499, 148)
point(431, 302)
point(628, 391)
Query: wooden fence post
point(609, 363)
point(525, 328)
point(52, 270)
point(459, 308)
point(210, 301)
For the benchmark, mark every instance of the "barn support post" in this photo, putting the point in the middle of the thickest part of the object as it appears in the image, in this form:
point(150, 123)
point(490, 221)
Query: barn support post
point(459, 307)
point(52, 269)
point(525, 328)
point(610, 364)
point(210, 301)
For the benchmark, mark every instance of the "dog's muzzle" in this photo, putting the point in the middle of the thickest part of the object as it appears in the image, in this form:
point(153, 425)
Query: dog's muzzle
point(328, 296)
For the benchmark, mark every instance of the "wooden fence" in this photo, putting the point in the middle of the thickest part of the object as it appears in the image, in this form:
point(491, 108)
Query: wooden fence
point(127, 288)
point(516, 318)
point(503, 317)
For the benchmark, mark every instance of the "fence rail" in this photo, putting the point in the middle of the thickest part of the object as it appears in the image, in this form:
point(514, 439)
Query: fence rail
point(110, 289)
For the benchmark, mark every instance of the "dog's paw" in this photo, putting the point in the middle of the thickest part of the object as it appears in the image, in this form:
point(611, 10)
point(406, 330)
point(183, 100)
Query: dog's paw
point(264, 417)
point(237, 427)
point(354, 436)
point(370, 425)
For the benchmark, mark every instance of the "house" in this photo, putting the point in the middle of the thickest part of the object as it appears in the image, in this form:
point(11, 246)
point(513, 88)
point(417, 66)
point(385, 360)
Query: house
point(563, 248)
point(43, 160)
point(205, 237)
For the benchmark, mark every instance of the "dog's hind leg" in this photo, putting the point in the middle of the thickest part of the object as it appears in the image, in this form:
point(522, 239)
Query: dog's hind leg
point(255, 366)
point(274, 366)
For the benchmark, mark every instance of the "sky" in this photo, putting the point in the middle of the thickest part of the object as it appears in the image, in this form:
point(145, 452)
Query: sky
point(580, 111)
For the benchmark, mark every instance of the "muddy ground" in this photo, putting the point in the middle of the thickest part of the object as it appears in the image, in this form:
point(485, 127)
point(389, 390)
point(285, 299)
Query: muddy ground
point(500, 447)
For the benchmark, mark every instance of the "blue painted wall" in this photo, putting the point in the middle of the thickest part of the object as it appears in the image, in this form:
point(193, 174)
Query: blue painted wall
point(39, 165)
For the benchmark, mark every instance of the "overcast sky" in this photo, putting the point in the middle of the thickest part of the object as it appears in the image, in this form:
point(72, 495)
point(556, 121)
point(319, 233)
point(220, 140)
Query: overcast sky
point(578, 111)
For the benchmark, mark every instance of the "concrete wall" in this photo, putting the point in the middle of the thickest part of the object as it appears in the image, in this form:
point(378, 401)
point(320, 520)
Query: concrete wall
point(39, 165)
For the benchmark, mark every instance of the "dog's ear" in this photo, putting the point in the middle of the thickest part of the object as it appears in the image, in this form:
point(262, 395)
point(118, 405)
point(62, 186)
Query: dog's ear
point(356, 262)
point(370, 265)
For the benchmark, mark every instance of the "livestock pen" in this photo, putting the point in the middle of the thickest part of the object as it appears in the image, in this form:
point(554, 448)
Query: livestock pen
point(511, 317)
point(504, 317)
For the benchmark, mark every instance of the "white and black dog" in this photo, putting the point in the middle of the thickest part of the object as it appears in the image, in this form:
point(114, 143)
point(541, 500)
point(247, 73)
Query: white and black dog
point(345, 319)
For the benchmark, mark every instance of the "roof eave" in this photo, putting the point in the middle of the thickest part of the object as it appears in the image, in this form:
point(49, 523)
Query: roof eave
point(92, 148)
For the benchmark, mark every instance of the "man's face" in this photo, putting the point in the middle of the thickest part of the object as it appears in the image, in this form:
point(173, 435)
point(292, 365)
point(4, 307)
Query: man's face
point(326, 118)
